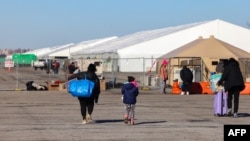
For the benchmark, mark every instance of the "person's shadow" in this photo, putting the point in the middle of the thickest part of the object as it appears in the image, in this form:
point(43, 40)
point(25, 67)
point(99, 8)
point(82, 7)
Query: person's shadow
point(150, 122)
point(108, 120)
point(119, 120)
point(243, 115)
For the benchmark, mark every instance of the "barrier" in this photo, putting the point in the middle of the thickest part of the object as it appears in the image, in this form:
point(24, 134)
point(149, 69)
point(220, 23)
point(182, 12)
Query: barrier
point(195, 88)
point(201, 88)
point(176, 88)
point(246, 91)
point(206, 88)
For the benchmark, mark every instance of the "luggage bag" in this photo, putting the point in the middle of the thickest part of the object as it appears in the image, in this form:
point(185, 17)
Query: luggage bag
point(220, 103)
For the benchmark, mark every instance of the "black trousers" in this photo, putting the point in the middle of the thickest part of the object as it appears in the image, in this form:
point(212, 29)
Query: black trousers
point(233, 94)
point(87, 105)
point(185, 86)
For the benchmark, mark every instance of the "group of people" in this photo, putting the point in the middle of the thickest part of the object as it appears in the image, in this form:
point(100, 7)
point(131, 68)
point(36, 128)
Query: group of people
point(231, 80)
point(68, 68)
point(129, 91)
point(52, 65)
point(186, 76)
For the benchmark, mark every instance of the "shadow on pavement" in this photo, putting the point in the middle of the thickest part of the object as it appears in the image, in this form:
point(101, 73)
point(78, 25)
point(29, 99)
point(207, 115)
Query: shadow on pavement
point(149, 122)
point(119, 120)
point(108, 120)
point(243, 115)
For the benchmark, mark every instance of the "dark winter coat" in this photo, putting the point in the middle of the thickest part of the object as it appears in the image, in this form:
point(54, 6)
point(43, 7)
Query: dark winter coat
point(130, 92)
point(71, 68)
point(186, 75)
point(93, 77)
point(232, 76)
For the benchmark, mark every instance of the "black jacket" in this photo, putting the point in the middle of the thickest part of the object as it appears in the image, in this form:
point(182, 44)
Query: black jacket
point(186, 75)
point(71, 69)
point(90, 76)
point(232, 76)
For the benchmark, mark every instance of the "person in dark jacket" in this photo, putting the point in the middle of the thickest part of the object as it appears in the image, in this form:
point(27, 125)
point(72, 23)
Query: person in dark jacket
point(130, 92)
point(187, 78)
point(233, 82)
point(72, 68)
point(87, 104)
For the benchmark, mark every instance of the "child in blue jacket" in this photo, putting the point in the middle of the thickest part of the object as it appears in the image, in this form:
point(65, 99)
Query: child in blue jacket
point(130, 92)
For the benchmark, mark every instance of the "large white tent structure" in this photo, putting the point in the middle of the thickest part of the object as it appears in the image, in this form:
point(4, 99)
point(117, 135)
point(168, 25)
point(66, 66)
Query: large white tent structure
point(155, 43)
point(66, 52)
point(67, 49)
point(44, 52)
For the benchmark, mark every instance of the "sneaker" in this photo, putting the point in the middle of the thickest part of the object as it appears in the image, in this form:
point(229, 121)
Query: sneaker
point(182, 93)
point(187, 93)
point(126, 120)
point(235, 115)
point(229, 112)
point(84, 121)
point(89, 118)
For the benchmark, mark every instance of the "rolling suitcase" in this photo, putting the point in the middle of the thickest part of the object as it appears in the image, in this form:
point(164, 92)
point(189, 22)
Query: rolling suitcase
point(220, 103)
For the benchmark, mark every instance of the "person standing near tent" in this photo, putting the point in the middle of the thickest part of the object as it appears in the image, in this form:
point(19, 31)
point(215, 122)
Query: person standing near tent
point(187, 78)
point(56, 66)
point(163, 76)
point(71, 68)
point(233, 82)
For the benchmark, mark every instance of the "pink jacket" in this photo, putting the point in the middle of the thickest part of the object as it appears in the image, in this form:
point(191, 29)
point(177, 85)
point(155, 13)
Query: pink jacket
point(163, 73)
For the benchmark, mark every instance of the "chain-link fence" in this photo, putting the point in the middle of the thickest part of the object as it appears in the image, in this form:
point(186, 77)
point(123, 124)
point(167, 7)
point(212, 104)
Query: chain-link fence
point(114, 71)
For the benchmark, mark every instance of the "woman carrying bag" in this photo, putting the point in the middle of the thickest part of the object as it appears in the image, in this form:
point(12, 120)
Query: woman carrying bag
point(87, 103)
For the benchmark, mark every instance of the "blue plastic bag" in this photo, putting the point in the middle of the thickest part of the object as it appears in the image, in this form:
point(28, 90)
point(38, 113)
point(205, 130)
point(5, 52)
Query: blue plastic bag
point(81, 88)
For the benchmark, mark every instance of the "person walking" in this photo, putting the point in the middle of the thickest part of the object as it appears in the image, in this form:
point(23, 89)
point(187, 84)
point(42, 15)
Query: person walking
point(187, 78)
point(87, 104)
point(163, 76)
point(233, 82)
point(130, 92)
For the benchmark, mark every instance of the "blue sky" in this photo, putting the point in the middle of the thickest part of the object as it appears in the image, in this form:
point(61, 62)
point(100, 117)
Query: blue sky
point(32, 24)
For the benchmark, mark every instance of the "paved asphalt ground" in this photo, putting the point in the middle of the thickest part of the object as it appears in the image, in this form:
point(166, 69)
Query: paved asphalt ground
point(55, 116)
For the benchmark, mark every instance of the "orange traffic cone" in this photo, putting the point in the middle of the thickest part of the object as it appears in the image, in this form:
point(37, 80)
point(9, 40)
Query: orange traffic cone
point(176, 88)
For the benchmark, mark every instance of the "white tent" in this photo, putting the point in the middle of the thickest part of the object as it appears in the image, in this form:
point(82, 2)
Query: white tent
point(155, 43)
point(44, 52)
point(66, 52)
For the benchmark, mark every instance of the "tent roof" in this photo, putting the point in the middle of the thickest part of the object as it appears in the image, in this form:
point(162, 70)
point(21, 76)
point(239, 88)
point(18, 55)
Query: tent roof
point(43, 52)
point(209, 48)
point(157, 42)
point(136, 38)
point(79, 46)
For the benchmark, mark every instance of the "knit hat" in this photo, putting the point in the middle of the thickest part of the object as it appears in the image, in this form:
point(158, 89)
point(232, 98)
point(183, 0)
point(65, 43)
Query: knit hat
point(164, 62)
